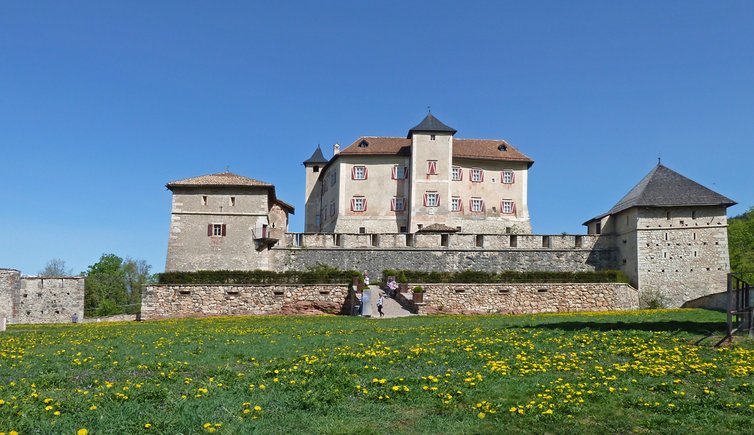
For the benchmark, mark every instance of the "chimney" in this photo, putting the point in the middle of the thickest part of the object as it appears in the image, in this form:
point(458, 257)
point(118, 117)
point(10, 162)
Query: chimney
point(336, 149)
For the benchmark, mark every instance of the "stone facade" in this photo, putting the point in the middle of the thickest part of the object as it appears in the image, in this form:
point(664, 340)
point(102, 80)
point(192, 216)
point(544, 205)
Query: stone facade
point(40, 300)
point(223, 221)
point(526, 298)
point(164, 301)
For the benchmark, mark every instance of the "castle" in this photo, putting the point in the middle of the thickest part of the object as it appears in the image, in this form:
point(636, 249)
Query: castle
point(432, 202)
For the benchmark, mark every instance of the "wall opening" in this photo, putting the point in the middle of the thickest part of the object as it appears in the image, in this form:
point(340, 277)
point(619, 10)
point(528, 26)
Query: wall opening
point(513, 241)
point(480, 241)
point(362, 230)
point(375, 240)
point(578, 241)
point(409, 240)
point(545, 241)
point(444, 239)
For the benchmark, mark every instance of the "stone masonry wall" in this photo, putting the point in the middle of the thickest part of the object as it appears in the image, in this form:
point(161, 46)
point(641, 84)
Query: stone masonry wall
point(527, 298)
point(375, 261)
point(40, 300)
point(164, 301)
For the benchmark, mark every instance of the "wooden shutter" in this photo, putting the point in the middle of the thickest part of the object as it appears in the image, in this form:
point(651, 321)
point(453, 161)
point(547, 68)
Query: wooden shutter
point(353, 204)
point(353, 173)
point(513, 177)
point(437, 203)
point(461, 175)
point(460, 204)
point(365, 204)
point(223, 230)
point(425, 200)
point(392, 204)
point(209, 230)
point(365, 173)
point(513, 207)
point(395, 172)
point(481, 175)
point(482, 204)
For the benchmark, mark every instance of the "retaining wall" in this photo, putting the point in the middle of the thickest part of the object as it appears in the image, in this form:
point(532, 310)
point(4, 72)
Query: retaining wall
point(164, 301)
point(526, 298)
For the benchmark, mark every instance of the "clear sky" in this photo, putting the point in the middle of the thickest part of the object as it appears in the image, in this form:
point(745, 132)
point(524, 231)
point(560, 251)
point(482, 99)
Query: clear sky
point(102, 102)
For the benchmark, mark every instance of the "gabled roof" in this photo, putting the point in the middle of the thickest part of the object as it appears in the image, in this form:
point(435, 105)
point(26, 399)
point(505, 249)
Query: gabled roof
point(219, 179)
point(316, 158)
point(431, 124)
point(485, 149)
point(663, 187)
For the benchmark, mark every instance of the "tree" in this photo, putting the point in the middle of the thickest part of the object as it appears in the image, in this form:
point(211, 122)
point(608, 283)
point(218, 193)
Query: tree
point(55, 267)
point(741, 244)
point(113, 286)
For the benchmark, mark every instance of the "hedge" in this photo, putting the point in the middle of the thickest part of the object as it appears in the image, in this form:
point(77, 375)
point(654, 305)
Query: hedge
point(322, 275)
point(478, 277)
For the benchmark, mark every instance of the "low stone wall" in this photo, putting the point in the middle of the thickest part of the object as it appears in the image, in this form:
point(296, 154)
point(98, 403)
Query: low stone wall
point(526, 298)
point(164, 301)
point(715, 301)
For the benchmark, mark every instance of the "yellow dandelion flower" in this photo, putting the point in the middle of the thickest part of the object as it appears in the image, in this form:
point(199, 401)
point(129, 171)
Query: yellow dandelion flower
point(82, 431)
point(481, 415)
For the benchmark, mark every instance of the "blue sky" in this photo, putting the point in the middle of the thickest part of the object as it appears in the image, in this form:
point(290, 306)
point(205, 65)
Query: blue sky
point(102, 103)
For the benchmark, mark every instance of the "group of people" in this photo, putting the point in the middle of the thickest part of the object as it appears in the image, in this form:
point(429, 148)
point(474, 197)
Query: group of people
point(392, 291)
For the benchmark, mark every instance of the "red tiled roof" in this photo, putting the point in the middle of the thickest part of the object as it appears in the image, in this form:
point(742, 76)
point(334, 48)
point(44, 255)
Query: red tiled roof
point(485, 149)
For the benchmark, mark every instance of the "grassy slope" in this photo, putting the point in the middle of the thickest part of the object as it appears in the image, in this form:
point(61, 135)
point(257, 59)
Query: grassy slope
point(597, 373)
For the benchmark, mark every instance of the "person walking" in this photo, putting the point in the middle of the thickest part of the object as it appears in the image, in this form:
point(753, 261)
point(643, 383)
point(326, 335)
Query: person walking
point(380, 301)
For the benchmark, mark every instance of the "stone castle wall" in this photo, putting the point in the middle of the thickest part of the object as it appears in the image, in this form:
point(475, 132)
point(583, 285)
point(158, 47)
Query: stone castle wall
point(40, 300)
point(435, 252)
point(527, 298)
point(164, 301)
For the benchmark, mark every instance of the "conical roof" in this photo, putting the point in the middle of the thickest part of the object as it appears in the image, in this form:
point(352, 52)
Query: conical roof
point(431, 124)
point(663, 187)
point(316, 158)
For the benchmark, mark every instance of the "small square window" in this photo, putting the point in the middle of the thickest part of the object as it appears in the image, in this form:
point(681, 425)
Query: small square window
point(477, 205)
point(204, 199)
point(456, 204)
point(457, 174)
point(477, 175)
point(232, 201)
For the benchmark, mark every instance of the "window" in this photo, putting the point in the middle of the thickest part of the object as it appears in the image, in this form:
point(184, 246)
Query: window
point(457, 174)
point(216, 230)
point(204, 199)
point(400, 172)
point(477, 175)
point(316, 169)
point(476, 205)
point(333, 178)
point(431, 199)
point(332, 209)
point(358, 203)
point(598, 228)
point(431, 167)
point(456, 204)
point(508, 206)
point(431, 137)
point(398, 203)
point(359, 173)
point(232, 201)
point(693, 214)
point(363, 144)
point(508, 176)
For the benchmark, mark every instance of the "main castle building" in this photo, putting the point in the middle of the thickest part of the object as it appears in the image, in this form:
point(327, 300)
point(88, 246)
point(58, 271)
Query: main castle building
point(429, 179)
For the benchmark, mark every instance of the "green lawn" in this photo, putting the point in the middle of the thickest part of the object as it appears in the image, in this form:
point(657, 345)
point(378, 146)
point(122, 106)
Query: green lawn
point(572, 373)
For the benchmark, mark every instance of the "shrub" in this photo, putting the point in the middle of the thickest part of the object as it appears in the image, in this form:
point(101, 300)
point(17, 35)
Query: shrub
point(319, 274)
point(418, 289)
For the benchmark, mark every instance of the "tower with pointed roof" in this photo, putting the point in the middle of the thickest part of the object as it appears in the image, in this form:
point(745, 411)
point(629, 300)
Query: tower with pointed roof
point(670, 237)
point(224, 221)
point(313, 166)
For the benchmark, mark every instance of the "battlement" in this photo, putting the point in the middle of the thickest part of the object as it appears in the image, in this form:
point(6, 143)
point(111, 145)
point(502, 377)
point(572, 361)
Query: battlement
point(454, 241)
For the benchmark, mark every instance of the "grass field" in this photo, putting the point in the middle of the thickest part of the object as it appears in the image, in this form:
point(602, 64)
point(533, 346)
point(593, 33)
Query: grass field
point(572, 373)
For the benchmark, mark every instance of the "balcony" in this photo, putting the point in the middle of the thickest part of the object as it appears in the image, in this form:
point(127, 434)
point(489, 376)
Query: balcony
point(267, 237)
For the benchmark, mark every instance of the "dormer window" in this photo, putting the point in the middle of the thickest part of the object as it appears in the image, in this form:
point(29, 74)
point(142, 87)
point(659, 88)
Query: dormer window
point(363, 144)
point(502, 147)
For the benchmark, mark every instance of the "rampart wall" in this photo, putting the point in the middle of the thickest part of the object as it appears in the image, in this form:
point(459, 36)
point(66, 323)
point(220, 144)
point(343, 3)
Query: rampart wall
point(437, 252)
point(40, 300)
